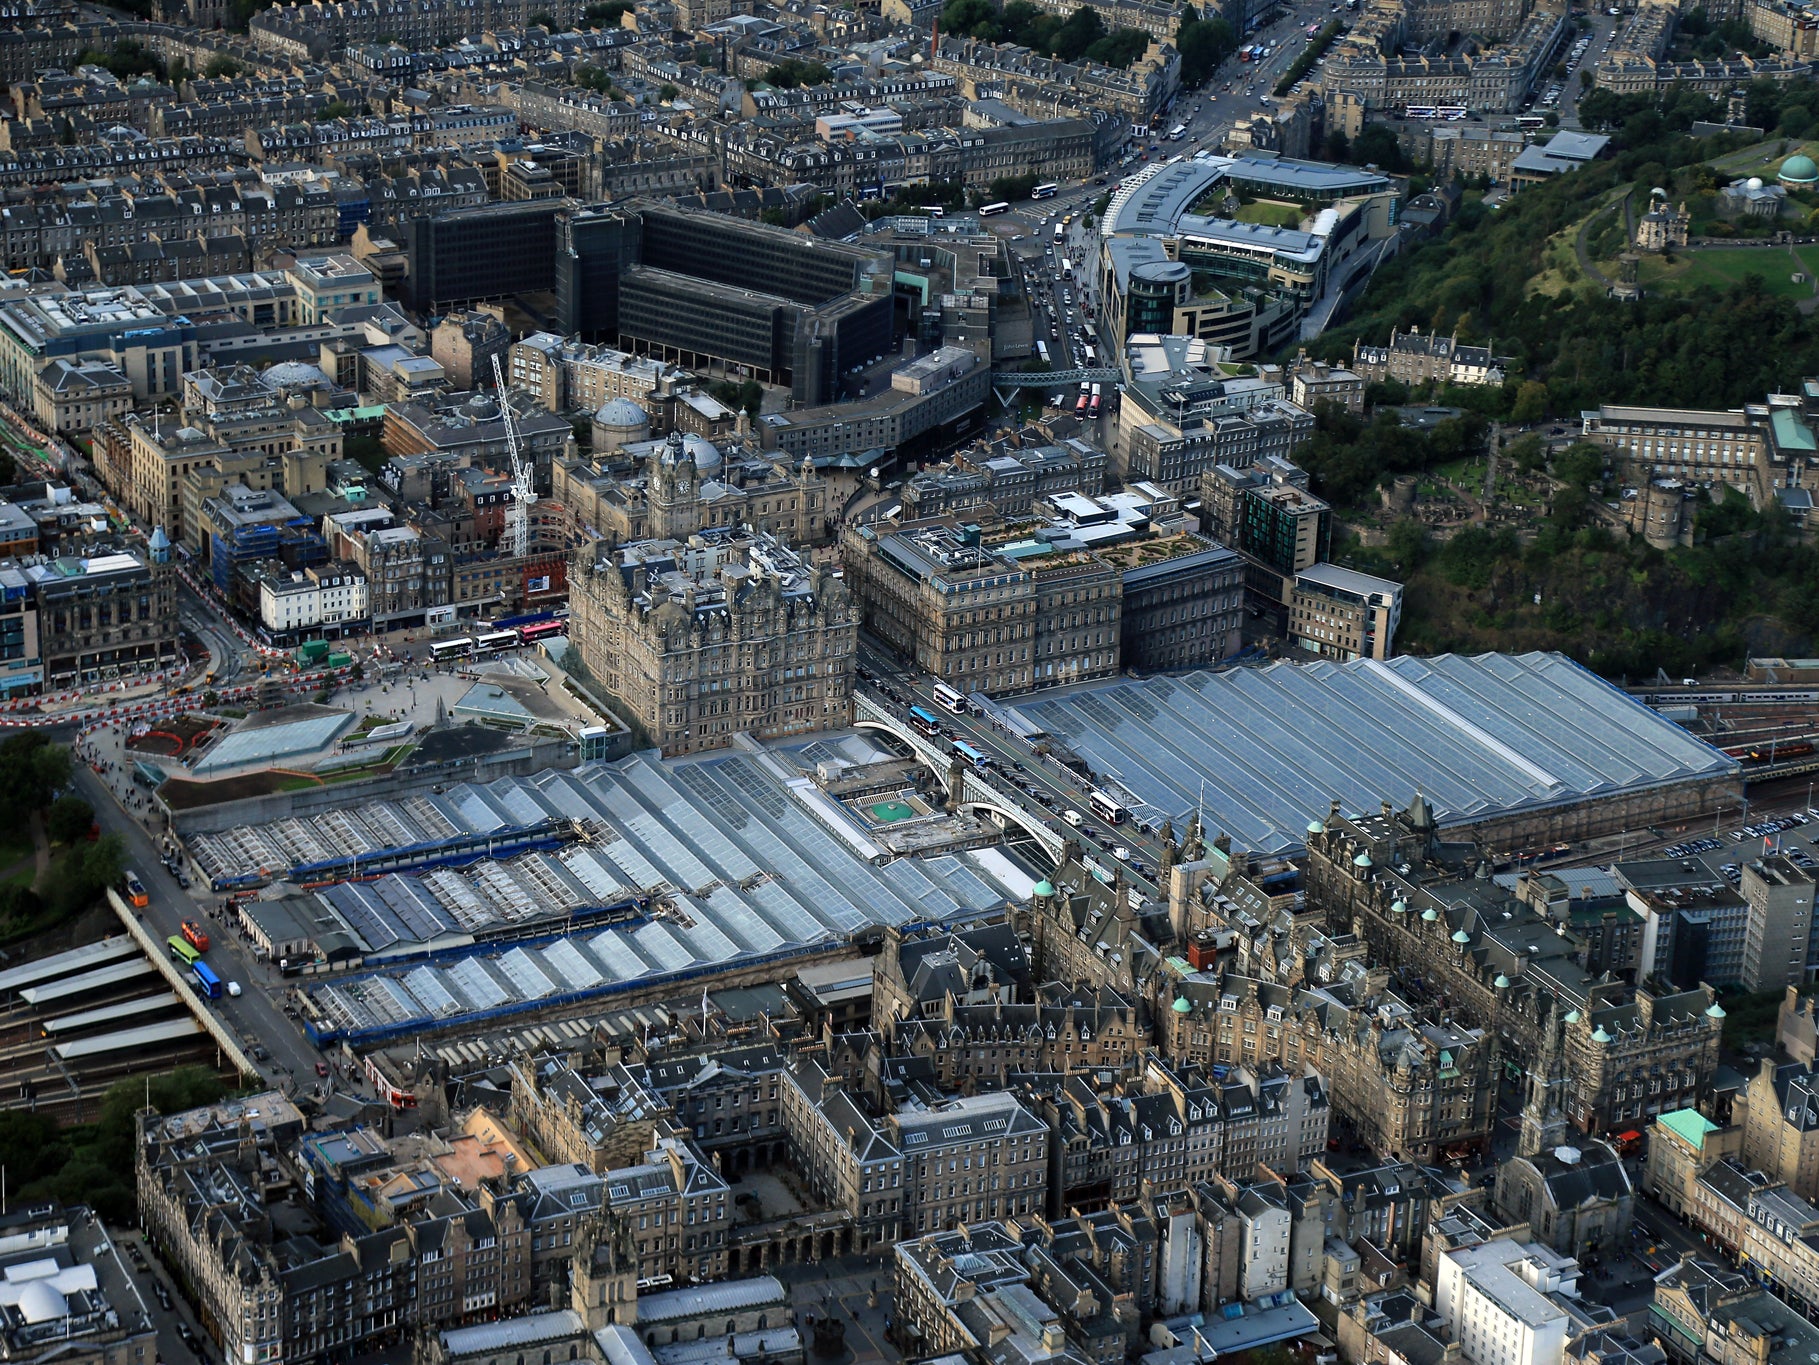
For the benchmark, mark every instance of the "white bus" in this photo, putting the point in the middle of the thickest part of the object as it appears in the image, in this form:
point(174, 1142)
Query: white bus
point(1042, 350)
point(1107, 809)
point(1178, 132)
point(495, 641)
point(1045, 191)
point(987, 210)
point(1092, 356)
point(951, 698)
point(1060, 233)
point(1067, 269)
point(451, 649)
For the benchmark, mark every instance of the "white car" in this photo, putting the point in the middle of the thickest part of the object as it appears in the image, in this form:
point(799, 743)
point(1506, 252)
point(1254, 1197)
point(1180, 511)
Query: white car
point(233, 988)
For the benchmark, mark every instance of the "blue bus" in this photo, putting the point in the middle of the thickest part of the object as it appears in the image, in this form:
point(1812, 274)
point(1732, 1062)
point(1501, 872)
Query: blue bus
point(973, 755)
point(206, 980)
point(925, 720)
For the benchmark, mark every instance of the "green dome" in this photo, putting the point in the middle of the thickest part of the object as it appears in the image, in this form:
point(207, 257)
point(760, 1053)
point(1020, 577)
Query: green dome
point(1399, 907)
point(1183, 1005)
point(1315, 827)
point(1502, 982)
point(1362, 860)
point(1572, 1016)
point(1799, 170)
point(1430, 914)
point(1460, 936)
point(1600, 1036)
point(1044, 888)
point(1715, 1012)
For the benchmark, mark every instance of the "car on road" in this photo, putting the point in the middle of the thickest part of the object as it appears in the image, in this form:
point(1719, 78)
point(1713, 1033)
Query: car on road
point(1074, 818)
point(233, 988)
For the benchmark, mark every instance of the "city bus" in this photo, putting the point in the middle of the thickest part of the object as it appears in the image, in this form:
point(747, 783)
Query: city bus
point(1452, 113)
point(136, 894)
point(194, 935)
point(206, 980)
point(440, 650)
point(952, 698)
point(1529, 121)
point(1092, 355)
point(1092, 409)
point(1086, 397)
point(1067, 269)
point(1178, 132)
point(1045, 191)
point(972, 754)
point(1107, 808)
point(494, 641)
point(925, 720)
point(1060, 233)
point(542, 630)
point(1422, 111)
point(1042, 350)
point(987, 210)
point(181, 951)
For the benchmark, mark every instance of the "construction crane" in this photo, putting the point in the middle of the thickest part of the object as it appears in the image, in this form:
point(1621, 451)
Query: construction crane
point(518, 514)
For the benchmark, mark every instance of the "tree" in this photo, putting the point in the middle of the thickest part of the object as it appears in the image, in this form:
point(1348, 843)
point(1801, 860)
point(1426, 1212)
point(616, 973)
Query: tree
point(1377, 146)
point(81, 873)
point(970, 19)
point(1009, 188)
point(668, 93)
point(69, 819)
point(1530, 405)
point(1203, 45)
point(608, 15)
point(1408, 545)
point(222, 67)
point(792, 72)
point(31, 768)
point(543, 19)
point(334, 109)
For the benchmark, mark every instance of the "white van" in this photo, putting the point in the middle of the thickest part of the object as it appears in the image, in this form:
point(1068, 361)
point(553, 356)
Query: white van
point(1074, 818)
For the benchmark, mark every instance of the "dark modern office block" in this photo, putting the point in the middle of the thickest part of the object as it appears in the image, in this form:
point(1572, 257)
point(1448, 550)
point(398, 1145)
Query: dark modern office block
point(472, 255)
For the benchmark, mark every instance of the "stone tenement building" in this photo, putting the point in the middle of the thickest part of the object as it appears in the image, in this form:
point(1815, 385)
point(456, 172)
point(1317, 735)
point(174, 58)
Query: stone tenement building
point(980, 620)
point(1626, 1053)
point(731, 632)
point(684, 484)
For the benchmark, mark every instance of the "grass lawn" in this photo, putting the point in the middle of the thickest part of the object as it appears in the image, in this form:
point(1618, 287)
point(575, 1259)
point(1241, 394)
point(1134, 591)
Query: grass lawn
point(12, 849)
point(1722, 267)
point(1270, 214)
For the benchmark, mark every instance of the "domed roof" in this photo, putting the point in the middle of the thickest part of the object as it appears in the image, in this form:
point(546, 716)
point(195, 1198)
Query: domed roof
point(40, 1302)
point(1399, 907)
point(621, 412)
point(1430, 914)
point(292, 372)
point(1315, 827)
point(1716, 1011)
point(1502, 982)
point(1362, 860)
point(702, 451)
point(1799, 170)
point(1572, 1016)
point(1044, 888)
point(1753, 183)
point(1600, 1036)
point(1183, 1005)
point(1460, 936)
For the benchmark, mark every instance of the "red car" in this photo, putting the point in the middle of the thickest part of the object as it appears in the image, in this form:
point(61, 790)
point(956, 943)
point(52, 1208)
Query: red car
point(322, 1068)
